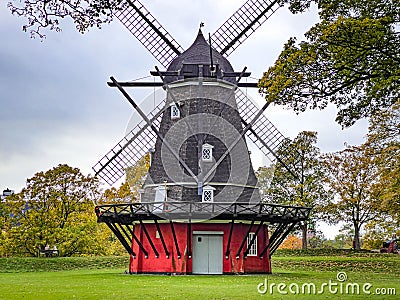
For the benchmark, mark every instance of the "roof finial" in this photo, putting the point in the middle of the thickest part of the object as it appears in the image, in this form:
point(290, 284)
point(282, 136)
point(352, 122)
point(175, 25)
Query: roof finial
point(201, 24)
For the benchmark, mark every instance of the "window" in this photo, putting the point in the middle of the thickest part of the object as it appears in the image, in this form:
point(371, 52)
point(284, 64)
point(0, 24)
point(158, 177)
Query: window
point(252, 251)
point(175, 112)
point(208, 194)
point(206, 152)
point(141, 194)
point(161, 194)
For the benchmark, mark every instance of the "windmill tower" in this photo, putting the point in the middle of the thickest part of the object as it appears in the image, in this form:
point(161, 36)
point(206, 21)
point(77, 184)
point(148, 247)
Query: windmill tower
point(200, 211)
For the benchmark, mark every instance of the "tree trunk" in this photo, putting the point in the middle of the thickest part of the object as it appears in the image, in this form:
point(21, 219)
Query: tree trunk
point(304, 235)
point(356, 241)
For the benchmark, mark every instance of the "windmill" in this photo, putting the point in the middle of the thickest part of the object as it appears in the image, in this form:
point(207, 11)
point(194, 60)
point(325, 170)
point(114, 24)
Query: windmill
point(200, 210)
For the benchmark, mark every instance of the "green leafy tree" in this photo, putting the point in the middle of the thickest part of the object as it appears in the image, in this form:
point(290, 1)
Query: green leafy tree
point(345, 238)
point(5, 225)
point(350, 59)
point(384, 140)
point(306, 189)
point(56, 209)
point(354, 178)
point(380, 230)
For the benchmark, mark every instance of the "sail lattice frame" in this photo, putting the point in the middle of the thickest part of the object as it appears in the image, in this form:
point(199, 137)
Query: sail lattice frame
point(150, 33)
point(242, 24)
point(130, 149)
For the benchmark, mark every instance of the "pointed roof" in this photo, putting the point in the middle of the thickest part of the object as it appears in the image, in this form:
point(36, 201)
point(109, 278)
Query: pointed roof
point(199, 53)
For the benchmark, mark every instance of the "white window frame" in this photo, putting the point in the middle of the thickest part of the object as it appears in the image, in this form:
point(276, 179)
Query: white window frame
point(253, 250)
point(175, 112)
point(204, 149)
point(207, 190)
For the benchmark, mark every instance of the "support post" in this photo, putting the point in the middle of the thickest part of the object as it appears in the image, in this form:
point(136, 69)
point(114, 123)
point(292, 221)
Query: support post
point(121, 238)
point(276, 233)
point(228, 245)
point(149, 238)
point(146, 254)
point(253, 239)
point(189, 239)
point(175, 239)
point(162, 239)
point(280, 239)
point(244, 240)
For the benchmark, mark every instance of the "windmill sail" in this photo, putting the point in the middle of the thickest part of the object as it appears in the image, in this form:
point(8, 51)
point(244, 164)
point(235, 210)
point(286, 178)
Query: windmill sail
point(263, 133)
point(242, 24)
point(141, 23)
point(130, 149)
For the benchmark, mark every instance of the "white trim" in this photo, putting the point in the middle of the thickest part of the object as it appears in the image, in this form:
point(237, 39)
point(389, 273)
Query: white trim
point(191, 82)
point(207, 232)
point(195, 184)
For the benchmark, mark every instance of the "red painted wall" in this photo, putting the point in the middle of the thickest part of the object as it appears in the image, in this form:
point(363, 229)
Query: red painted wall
point(183, 265)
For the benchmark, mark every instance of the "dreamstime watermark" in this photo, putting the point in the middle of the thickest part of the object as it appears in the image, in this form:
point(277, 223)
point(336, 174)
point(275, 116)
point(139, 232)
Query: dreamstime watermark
point(339, 286)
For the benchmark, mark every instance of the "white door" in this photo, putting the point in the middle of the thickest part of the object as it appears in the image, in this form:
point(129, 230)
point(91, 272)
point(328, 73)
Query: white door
point(207, 253)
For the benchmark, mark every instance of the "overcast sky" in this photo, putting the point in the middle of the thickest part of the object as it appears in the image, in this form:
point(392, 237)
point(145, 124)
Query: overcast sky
point(56, 107)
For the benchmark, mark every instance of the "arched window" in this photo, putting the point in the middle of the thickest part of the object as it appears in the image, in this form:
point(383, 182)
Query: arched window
point(206, 152)
point(208, 194)
point(175, 112)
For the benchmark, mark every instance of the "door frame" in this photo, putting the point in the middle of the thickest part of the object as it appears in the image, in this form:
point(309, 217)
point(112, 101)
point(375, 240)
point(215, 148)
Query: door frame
point(207, 233)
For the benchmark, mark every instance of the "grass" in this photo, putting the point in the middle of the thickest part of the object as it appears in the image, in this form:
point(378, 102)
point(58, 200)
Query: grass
point(104, 278)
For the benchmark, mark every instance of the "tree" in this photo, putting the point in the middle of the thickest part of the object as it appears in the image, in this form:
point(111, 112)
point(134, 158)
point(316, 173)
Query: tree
point(291, 242)
point(301, 156)
point(56, 208)
point(41, 14)
point(345, 237)
point(384, 140)
point(354, 179)
point(5, 224)
point(380, 230)
point(350, 59)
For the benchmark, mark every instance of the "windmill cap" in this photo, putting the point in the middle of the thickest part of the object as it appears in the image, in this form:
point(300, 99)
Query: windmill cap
point(199, 53)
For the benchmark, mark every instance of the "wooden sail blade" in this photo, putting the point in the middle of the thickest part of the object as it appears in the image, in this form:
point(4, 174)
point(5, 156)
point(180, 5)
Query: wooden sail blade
point(242, 24)
point(263, 132)
point(150, 33)
point(130, 149)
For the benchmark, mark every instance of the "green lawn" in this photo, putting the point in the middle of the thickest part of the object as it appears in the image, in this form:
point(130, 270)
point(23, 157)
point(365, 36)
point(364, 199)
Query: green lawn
point(106, 282)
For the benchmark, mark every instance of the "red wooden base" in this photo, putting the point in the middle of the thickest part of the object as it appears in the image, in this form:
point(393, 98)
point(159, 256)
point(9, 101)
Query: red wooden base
point(183, 265)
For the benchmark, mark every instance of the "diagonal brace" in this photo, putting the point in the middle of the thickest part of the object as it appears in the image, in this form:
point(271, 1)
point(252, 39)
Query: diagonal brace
point(151, 125)
point(248, 126)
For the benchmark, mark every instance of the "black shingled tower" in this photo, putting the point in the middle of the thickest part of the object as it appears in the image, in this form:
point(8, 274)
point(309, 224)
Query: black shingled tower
point(216, 98)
